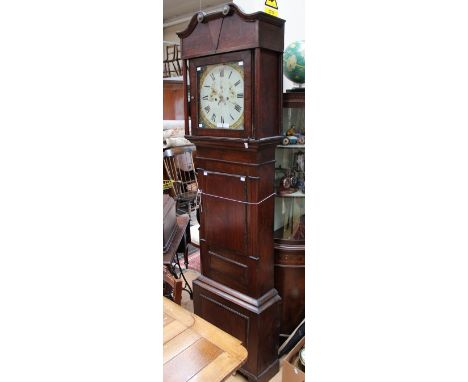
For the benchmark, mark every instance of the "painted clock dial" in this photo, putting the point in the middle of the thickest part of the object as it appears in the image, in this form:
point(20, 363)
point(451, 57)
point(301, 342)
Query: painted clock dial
point(221, 96)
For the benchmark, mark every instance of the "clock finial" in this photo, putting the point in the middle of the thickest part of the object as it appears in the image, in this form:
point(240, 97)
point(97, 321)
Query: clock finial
point(226, 9)
point(201, 16)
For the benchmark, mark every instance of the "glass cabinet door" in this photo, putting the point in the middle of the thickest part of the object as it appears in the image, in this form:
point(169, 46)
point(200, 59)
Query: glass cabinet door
point(290, 173)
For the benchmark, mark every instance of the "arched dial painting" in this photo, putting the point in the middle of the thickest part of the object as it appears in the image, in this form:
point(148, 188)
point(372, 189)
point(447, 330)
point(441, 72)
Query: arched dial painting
point(221, 96)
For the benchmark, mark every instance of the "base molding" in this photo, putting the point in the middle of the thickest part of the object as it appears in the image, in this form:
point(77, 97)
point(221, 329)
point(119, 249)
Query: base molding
point(266, 374)
point(257, 305)
point(255, 322)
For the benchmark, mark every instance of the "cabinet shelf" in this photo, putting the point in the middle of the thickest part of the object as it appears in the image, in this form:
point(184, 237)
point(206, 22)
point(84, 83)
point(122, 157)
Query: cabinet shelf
point(297, 194)
point(278, 236)
point(296, 146)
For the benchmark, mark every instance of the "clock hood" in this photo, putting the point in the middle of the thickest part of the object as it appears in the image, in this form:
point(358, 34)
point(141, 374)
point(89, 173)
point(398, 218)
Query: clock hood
point(230, 30)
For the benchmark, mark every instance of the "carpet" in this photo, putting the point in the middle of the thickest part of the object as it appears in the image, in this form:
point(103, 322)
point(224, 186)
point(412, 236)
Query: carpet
point(194, 261)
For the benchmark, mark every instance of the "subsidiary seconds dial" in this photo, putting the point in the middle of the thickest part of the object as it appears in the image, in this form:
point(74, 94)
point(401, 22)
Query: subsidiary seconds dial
point(221, 96)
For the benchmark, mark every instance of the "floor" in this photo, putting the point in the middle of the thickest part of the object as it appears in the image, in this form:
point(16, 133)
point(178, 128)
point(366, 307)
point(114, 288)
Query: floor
point(188, 304)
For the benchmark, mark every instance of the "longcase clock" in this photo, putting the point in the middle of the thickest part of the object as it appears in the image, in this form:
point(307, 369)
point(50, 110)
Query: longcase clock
point(232, 67)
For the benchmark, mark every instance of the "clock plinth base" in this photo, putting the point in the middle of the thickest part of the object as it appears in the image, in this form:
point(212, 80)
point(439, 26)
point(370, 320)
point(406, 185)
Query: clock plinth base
point(253, 321)
point(265, 375)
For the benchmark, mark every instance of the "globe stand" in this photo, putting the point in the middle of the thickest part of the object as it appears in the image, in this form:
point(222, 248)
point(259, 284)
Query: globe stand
point(299, 89)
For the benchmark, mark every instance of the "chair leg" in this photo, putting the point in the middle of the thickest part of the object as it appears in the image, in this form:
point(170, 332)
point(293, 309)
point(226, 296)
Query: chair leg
point(178, 292)
point(186, 287)
point(186, 256)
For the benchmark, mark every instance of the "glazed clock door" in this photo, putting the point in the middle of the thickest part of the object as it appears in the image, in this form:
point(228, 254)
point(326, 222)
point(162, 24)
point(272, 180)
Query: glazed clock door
point(221, 97)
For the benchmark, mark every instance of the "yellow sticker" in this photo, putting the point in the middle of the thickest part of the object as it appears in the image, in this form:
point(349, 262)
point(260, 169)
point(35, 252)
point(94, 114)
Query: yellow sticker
point(271, 7)
point(271, 3)
point(271, 11)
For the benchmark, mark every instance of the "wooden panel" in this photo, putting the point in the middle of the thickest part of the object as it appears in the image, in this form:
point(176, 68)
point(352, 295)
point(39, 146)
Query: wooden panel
point(235, 32)
point(227, 226)
point(167, 319)
point(178, 314)
point(257, 329)
point(173, 100)
point(257, 183)
point(211, 373)
point(294, 99)
point(188, 363)
point(263, 246)
point(179, 343)
point(286, 259)
point(226, 318)
point(225, 185)
point(228, 269)
point(202, 40)
point(267, 93)
point(224, 341)
point(290, 284)
point(201, 352)
point(271, 36)
point(172, 329)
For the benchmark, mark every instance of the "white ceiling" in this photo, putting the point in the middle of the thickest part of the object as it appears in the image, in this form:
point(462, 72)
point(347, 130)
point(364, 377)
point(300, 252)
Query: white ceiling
point(174, 9)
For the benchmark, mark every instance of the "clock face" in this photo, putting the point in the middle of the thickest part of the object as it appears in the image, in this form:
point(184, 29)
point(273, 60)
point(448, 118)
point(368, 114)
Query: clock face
point(221, 96)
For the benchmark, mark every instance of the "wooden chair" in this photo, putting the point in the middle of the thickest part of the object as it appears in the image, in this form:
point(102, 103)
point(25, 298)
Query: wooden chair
point(180, 170)
point(171, 260)
point(174, 283)
point(171, 63)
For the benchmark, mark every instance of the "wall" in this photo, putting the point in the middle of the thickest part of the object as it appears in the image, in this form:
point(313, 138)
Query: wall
point(170, 33)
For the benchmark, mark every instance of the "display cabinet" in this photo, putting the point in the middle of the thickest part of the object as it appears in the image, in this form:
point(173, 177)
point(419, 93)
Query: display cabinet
point(289, 221)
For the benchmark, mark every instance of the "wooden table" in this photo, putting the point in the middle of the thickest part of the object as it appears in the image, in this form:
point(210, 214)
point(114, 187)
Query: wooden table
point(195, 350)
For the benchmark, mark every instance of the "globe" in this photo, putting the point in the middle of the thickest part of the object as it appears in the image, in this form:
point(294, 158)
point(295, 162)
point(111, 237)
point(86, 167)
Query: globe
point(294, 62)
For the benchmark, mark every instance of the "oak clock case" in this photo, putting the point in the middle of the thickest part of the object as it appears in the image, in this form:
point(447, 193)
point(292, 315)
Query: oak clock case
point(236, 140)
